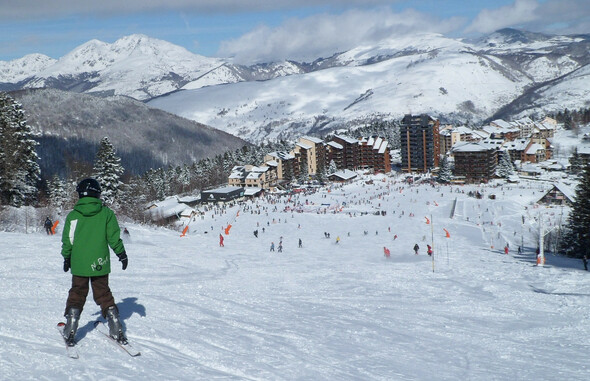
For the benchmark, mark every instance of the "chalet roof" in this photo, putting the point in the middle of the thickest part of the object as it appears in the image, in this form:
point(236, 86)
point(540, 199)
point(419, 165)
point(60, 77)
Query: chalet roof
point(261, 169)
point(383, 147)
point(167, 208)
point(567, 191)
point(238, 172)
point(272, 163)
point(254, 175)
point(302, 145)
point(344, 174)
point(377, 143)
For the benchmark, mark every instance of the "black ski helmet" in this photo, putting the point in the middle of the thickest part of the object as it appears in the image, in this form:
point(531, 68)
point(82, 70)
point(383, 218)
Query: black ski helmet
point(88, 188)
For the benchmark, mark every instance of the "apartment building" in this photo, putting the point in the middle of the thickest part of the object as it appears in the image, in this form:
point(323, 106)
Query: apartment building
point(420, 143)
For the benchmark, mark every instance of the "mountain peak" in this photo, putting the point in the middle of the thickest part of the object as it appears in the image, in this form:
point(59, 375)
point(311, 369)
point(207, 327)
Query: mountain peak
point(512, 36)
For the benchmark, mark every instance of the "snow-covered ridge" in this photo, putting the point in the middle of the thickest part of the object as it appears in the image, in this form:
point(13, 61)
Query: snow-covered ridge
point(455, 79)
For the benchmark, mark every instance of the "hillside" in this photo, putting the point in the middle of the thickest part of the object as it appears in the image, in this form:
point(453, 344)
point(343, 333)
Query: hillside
point(507, 73)
point(71, 126)
point(325, 311)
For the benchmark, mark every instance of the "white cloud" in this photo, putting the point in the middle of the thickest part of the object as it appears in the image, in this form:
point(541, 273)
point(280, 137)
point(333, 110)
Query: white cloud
point(32, 9)
point(518, 13)
point(326, 34)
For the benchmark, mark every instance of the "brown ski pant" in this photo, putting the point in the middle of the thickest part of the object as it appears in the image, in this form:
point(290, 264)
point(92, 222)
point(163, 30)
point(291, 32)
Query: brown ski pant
point(100, 291)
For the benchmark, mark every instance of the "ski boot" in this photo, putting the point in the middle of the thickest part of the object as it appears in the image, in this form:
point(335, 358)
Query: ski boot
point(69, 332)
point(115, 326)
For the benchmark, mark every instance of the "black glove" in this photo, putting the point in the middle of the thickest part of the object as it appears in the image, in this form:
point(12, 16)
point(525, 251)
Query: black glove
point(66, 264)
point(123, 259)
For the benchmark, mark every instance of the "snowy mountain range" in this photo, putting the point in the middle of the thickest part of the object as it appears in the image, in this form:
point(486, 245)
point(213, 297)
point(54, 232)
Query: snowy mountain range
point(508, 73)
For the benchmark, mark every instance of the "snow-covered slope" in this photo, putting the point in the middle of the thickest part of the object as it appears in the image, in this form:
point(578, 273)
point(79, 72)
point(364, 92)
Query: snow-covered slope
point(431, 75)
point(325, 311)
point(136, 66)
point(22, 68)
point(456, 80)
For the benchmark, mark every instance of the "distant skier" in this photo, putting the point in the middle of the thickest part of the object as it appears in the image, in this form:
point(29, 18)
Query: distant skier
point(416, 248)
point(272, 246)
point(126, 232)
point(585, 261)
point(90, 229)
point(337, 240)
point(280, 248)
point(506, 249)
point(386, 252)
point(48, 225)
point(300, 243)
point(256, 233)
point(221, 240)
point(429, 250)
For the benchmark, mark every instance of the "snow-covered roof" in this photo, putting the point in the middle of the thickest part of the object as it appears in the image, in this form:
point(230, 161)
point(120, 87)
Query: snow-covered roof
point(568, 191)
point(272, 163)
point(251, 191)
point(377, 143)
point(517, 145)
point(304, 146)
point(344, 174)
point(534, 148)
point(281, 155)
point(189, 199)
point(226, 189)
point(312, 139)
point(167, 208)
point(471, 147)
point(347, 139)
point(254, 175)
point(383, 147)
point(583, 150)
point(335, 145)
point(501, 123)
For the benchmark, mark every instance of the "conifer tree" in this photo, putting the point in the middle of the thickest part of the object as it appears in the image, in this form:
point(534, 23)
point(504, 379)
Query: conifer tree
point(58, 194)
point(19, 170)
point(332, 167)
point(576, 163)
point(576, 240)
point(445, 174)
point(108, 171)
point(505, 167)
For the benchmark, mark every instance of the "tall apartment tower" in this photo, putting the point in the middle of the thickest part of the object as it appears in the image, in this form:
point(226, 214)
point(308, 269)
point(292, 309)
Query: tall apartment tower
point(420, 143)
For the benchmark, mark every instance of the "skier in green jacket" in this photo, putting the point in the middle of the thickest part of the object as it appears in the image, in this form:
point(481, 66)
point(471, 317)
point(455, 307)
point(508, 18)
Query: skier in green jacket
point(90, 229)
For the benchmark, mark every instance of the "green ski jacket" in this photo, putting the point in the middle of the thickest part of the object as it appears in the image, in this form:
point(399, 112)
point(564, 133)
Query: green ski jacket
point(88, 232)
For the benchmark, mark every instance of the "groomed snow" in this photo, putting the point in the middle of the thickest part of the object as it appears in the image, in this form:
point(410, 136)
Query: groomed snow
point(326, 311)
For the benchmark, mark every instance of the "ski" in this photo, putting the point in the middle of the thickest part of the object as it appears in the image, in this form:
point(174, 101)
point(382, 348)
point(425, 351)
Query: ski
point(71, 350)
point(126, 346)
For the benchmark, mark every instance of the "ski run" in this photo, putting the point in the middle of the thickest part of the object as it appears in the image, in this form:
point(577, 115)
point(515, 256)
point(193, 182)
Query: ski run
point(323, 311)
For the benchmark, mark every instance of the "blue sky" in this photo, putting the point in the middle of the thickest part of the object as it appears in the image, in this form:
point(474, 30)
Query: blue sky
point(265, 30)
